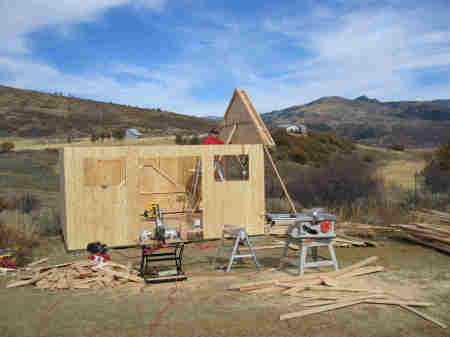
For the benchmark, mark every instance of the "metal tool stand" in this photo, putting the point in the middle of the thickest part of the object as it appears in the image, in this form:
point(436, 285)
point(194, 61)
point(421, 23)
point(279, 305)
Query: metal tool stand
point(238, 234)
point(151, 255)
point(307, 243)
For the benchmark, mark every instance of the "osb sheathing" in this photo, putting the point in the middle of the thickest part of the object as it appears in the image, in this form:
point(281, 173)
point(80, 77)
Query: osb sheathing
point(247, 124)
point(106, 205)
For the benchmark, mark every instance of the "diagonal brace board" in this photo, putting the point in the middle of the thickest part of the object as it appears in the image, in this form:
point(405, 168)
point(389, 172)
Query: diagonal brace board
point(165, 175)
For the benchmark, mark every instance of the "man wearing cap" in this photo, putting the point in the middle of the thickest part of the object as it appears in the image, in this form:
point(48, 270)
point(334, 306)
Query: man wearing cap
point(212, 138)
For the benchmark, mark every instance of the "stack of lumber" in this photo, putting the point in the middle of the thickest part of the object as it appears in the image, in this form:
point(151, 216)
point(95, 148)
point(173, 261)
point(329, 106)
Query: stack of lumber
point(324, 292)
point(431, 235)
point(361, 230)
point(429, 215)
point(78, 275)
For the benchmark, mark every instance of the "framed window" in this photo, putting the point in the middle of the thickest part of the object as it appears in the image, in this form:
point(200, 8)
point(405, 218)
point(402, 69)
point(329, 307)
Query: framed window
point(231, 168)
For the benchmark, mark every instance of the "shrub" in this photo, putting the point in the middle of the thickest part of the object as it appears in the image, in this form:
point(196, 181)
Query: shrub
point(7, 147)
point(437, 171)
point(314, 148)
point(443, 155)
point(194, 140)
point(8, 204)
point(119, 134)
point(340, 181)
point(397, 147)
point(49, 222)
point(436, 179)
point(27, 203)
point(368, 158)
point(179, 139)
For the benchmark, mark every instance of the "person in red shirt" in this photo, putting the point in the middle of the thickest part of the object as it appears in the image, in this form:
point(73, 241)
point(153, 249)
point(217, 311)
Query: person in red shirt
point(212, 138)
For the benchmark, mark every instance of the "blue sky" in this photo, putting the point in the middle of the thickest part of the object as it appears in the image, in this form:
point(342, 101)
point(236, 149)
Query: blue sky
point(188, 56)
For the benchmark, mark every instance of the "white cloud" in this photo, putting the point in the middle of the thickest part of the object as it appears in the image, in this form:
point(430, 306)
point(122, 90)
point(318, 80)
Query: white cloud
point(379, 53)
point(21, 17)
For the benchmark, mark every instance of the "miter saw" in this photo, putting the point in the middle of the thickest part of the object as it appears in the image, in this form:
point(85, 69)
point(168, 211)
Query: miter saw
point(161, 231)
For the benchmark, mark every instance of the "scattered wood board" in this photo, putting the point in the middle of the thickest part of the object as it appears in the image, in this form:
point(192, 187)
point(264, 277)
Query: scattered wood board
point(425, 316)
point(80, 275)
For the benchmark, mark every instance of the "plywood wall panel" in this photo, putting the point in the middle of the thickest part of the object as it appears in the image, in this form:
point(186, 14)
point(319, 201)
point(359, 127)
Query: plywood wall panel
point(111, 213)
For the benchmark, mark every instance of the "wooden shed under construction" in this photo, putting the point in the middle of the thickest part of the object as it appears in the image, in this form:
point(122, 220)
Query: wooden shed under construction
point(104, 190)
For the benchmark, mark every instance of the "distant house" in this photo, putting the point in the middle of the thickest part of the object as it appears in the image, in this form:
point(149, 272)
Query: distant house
point(133, 133)
point(295, 128)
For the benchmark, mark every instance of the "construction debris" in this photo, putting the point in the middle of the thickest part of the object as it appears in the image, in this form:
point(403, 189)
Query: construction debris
point(79, 275)
point(301, 287)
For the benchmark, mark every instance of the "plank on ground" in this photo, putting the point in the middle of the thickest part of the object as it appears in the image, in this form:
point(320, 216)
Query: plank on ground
point(425, 316)
point(255, 285)
point(319, 310)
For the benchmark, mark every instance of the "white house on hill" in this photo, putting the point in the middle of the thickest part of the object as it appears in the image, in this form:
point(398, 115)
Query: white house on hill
point(295, 128)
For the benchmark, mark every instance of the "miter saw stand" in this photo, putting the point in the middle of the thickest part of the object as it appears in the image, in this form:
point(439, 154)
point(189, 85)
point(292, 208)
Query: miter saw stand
point(160, 249)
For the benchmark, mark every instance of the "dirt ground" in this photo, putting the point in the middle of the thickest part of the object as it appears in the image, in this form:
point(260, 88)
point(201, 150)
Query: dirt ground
point(202, 305)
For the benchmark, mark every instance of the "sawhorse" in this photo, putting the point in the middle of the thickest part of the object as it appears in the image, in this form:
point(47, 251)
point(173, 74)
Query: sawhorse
point(238, 234)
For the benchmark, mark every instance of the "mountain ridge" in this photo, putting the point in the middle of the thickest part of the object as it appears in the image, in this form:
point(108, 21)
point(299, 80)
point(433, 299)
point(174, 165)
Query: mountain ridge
point(30, 113)
point(370, 120)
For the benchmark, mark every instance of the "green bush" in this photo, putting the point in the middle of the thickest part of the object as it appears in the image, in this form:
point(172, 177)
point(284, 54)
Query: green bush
point(314, 148)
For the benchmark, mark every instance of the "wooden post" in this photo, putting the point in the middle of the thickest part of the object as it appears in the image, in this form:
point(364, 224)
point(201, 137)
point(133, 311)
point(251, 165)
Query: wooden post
point(291, 203)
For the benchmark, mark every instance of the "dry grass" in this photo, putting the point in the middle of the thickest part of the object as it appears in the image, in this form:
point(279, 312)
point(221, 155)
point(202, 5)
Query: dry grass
point(397, 168)
point(401, 172)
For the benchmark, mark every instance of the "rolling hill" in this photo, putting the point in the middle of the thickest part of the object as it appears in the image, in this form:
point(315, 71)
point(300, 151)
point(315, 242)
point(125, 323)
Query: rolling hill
point(413, 123)
point(27, 113)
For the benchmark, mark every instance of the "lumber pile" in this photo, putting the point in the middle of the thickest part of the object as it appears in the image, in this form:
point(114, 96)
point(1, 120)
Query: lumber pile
point(322, 292)
point(430, 215)
point(78, 275)
point(361, 230)
point(431, 229)
point(431, 235)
